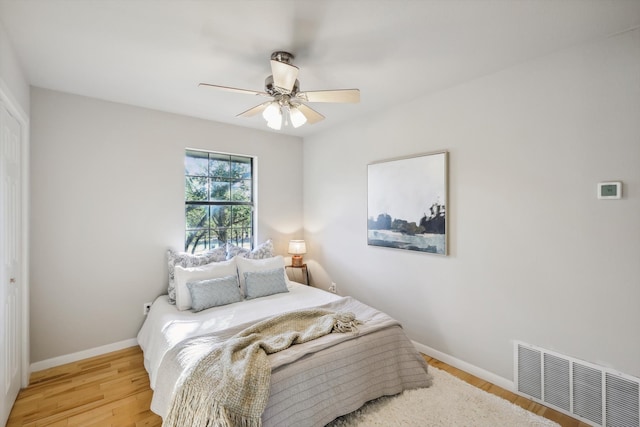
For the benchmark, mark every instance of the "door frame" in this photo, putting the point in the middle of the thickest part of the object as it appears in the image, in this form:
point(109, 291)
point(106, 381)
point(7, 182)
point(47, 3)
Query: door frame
point(23, 119)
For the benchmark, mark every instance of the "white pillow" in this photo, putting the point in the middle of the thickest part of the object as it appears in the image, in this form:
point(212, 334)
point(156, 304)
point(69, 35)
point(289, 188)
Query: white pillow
point(253, 265)
point(184, 275)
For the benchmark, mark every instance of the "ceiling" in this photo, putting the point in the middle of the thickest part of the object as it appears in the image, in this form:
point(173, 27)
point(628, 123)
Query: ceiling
point(153, 53)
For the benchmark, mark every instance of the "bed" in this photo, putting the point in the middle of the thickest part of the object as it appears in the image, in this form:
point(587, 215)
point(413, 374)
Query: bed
point(311, 383)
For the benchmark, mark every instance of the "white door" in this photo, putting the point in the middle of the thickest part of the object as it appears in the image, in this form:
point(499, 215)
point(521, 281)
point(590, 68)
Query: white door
point(10, 249)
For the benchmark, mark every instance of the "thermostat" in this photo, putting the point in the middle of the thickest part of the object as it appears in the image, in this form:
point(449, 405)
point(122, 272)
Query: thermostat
point(610, 190)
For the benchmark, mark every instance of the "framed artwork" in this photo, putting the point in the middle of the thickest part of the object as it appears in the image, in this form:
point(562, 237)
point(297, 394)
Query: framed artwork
point(407, 203)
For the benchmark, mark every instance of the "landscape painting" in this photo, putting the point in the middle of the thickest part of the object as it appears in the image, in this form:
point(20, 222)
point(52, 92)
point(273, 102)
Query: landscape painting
point(407, 203)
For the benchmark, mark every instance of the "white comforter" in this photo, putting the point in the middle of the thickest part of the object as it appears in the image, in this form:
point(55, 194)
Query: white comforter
point(165, 326)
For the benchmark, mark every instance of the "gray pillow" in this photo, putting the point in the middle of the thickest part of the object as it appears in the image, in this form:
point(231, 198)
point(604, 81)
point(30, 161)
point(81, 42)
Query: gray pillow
point(263, 283)
point(214, 292)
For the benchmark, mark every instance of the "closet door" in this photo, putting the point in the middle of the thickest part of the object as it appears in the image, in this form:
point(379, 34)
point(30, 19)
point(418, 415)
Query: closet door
point(10, 250)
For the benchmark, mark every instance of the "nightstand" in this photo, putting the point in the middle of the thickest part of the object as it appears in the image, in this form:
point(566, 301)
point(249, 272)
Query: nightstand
point(304, 272)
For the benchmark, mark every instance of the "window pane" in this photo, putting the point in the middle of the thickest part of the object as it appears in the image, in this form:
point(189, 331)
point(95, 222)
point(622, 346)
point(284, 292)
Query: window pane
point(218, 165)
point(221, 234)
point(241, 216)
point(241, 167)
point(195, 189)
point(220, 216)
point(196, 216)
point(240, 237)
point(196, 241)
point(196, 163)
point(247, 238)
point(219, 191)
point(216, 240)
point(241, 191)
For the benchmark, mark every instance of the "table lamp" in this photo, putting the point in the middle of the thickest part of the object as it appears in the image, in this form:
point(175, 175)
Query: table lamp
point(297, 248)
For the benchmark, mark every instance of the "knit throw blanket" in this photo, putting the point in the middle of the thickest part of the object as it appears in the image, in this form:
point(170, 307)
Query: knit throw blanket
point(230, 386)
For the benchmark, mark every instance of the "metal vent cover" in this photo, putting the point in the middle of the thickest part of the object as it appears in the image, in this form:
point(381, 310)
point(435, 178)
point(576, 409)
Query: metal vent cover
point(529, 372)
point(622, 401)
point(587, 393)
point(557, 380)
point(591, 393)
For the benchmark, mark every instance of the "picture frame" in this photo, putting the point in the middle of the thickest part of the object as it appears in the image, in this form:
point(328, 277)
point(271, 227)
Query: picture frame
point(407, 203)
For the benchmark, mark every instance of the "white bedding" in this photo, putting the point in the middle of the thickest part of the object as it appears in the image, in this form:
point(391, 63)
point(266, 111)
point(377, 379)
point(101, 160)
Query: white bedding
point(165, 326)
point(310, 386)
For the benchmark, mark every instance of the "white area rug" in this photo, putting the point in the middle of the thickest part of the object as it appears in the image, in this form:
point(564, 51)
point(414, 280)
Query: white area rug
point(448, 402)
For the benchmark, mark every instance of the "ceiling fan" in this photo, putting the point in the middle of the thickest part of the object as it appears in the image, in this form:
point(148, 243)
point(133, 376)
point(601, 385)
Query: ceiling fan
point(288, 103)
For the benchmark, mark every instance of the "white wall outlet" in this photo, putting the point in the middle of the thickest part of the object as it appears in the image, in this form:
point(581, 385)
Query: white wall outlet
point(333, 288)
point(146, 307)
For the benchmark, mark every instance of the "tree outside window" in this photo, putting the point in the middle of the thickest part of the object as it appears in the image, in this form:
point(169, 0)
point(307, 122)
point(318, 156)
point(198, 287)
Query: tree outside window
point(218, 200)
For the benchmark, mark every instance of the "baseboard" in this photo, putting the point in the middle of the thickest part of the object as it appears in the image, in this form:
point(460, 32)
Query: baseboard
point(84, 354)
point(465, 366)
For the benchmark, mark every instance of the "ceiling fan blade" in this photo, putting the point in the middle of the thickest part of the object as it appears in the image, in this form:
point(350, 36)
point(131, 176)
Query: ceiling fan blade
point(284, 75)
point(338, 95)
point(312, 115)
point(255, 110)
point(233, 89)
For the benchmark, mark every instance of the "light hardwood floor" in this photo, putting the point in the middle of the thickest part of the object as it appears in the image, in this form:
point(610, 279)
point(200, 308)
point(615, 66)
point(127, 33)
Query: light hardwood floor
point(113, 390)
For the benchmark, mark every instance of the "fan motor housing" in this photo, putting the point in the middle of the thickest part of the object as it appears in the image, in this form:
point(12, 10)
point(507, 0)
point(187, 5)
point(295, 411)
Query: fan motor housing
point(274, 90)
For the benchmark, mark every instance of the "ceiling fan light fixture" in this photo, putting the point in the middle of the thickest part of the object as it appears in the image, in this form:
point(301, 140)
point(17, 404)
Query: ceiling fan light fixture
point(272, 112)
point(275, 123)
point(273, 115)
point(297, 118)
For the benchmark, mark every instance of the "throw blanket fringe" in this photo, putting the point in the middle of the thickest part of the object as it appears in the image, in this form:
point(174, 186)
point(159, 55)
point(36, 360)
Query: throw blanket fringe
point(345, 322)
point(229, 387)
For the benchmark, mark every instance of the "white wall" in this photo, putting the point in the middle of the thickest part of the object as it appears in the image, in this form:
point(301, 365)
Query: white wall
point(107, 202)
point(535, 256)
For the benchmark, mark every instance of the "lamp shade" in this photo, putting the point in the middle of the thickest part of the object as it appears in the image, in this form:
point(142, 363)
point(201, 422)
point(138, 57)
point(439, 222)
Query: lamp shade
point(275, 124)
point(297, 118)
point(297, 247)
point(272, 112)
point(273, 116)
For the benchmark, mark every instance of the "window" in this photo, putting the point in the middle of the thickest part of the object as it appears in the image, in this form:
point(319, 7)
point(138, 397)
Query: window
point(218, 194)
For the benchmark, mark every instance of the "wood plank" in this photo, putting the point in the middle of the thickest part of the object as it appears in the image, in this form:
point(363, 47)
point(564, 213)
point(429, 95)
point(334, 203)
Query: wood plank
point(108, 390)
point(113, 390)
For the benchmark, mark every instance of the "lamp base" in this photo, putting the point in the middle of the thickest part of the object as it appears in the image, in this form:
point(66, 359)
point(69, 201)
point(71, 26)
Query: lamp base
point(296, 261)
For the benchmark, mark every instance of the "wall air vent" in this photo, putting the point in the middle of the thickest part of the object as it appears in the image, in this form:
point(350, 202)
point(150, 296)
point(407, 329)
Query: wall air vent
point(556, 380)
point(529, 368)
point(593, 394)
